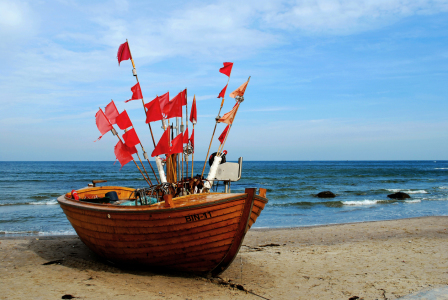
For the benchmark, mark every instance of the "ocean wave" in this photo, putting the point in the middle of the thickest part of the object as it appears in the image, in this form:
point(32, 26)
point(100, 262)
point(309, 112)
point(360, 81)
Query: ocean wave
point(407, 191)
point(413, 201)
point(443, 187)
point(308, 204)
point(45, 196)
point(363, 202)
point(37, 233)
point(48, 202)
point(440, 168)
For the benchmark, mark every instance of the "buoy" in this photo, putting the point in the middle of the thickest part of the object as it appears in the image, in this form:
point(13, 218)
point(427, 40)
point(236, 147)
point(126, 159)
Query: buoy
point(75, 195)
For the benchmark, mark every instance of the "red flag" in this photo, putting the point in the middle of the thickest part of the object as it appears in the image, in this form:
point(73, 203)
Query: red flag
point(123, 120)
point(163, 146)
point(222, 137)
point(186, 137)
point(227, 69)
point(184, 97)
point(192, 139)
point(164, 100)
point(130, 138)
point(175, 107)
point(111, 112)
point(239, 91)
point(228, 117)
point(193, 114)
point(122, 153)
point(223, 92)
point(177, 146)
point(102, 123)
point(153, 113)
point(124, 53)
point(132, 150)
point(136, 92)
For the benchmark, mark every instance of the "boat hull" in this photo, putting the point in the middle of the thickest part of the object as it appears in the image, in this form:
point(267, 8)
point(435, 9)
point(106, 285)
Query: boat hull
point(200, 233)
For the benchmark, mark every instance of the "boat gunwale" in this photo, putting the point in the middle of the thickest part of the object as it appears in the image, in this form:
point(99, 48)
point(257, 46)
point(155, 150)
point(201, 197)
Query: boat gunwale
point(147, 209)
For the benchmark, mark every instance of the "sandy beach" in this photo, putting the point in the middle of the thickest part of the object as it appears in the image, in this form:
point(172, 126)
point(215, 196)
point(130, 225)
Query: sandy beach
point(373, 260)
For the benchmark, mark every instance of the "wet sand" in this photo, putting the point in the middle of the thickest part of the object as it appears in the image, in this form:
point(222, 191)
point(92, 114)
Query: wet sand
point(372, 260)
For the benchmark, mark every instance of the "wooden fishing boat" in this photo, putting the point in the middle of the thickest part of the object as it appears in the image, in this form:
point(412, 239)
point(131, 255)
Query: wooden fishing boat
point(199, 233)
point(177, 223)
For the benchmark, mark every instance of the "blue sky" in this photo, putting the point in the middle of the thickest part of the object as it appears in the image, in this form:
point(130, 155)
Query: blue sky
point(331, 80)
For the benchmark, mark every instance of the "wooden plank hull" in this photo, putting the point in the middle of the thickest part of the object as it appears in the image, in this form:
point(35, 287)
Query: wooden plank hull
point(199, 233)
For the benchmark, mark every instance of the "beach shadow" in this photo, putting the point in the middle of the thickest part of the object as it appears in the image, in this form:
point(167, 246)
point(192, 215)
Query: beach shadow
point(71, 252)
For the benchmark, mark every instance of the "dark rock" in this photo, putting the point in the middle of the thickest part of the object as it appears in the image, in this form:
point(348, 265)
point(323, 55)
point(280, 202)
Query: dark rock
point(326, 194)
point(399, 196)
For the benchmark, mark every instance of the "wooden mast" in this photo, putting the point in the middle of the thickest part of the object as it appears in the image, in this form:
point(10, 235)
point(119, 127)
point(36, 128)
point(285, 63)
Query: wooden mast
point(188, 139)
point(145, 155)
point(211, 140)
point(192, 154)
point(221, 147)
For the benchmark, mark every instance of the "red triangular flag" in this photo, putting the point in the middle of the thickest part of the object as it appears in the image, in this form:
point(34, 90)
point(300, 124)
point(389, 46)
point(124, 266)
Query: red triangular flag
point(186, 137)
point(192, 139)
point(130, 138)
point(222, 137)
point(123, 52)
point(227, 69)
point(136, 92)
point(177, 146)
point(163, 146)
point(131, 150)
point(223, 92)
point(175, 107)
point(102, 123)
point(123, 120)
point(193, 114)
point(111, 112)
point(153, 114)
point(122, 153)
point(184, 97)
point(164, 100)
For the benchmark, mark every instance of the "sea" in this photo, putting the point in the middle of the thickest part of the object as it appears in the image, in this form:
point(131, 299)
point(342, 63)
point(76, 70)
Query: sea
point(28, 191)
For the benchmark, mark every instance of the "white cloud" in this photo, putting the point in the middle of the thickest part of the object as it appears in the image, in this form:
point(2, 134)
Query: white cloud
point(346, 16)
point(17, 22)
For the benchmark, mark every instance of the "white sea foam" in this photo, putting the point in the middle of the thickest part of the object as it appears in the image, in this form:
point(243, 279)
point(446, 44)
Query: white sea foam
point(363, 202)
point(39, 233)
point(413, 201)
point(49, 202)
point(440, 168)
point(407, 191)
point(393, 190)
point(443, 187)
point(416, 192)
point(65, 232)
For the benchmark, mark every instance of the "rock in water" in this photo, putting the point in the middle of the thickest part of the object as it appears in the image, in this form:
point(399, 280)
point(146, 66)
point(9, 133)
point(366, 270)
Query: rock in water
point(326, 194)
point(399, 196)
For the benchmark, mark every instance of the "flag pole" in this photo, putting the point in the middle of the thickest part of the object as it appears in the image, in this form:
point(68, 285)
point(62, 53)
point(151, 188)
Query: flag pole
point(145, 155)
point(192, 158)
point(177, 133)
point(118, 136)
point(143, 149)
point(182, 131)
point(234, 116)
point(186, 120)
point(172, 160)
point(214, 130)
